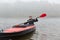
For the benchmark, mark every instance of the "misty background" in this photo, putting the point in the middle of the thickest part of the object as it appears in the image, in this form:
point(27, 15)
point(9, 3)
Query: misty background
point(13, 12)
point(24, 8)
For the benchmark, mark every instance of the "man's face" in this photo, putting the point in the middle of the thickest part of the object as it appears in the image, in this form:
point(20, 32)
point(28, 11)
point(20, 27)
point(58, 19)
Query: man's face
point(30, 17)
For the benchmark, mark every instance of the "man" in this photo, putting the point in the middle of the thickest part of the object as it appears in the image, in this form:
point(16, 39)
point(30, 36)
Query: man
point(31, 21)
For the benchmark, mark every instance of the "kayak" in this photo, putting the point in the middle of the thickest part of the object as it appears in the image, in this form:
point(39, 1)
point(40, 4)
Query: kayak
point(17, 31)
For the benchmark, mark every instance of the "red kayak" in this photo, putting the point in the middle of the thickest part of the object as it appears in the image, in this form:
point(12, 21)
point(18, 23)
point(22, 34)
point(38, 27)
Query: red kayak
point(17, 31)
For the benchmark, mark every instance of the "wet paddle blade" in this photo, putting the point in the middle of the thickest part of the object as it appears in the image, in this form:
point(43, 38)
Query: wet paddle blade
point(43, 15)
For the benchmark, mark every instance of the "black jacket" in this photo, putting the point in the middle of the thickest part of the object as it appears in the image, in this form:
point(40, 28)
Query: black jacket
point(31, 21)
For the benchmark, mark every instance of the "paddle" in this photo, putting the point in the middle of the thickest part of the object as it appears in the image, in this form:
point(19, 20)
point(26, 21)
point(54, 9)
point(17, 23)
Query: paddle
point(42, 15)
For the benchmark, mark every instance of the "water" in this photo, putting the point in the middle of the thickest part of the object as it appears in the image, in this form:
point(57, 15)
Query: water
point(46, 28)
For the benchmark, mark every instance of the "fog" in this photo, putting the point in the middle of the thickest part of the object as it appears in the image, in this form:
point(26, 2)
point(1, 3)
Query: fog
point(18, 8)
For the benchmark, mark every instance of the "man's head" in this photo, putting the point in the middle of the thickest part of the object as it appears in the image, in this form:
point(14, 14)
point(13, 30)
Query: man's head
point(30, 17)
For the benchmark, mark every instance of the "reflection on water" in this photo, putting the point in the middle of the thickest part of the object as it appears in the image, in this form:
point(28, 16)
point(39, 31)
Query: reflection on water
point(46, 29)
point(24, 37)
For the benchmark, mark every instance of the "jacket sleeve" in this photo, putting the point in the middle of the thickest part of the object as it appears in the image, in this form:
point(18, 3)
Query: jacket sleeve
point(36, 20)
point(26, 22)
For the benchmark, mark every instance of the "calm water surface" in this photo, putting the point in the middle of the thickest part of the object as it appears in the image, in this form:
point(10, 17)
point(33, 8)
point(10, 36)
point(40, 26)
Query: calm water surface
point(46, 29)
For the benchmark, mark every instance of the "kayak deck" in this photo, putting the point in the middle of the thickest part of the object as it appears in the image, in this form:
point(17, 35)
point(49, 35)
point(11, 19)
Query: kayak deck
point(17, 31)
point(12, 30)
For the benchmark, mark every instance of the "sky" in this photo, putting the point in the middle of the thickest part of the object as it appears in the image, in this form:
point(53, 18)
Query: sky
point(12, 8)
point(29, 0)
point(12, 1)
point(54, 1)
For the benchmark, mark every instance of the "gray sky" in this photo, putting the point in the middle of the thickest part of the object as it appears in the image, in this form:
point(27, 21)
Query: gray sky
point(20, 8)
point(54, 1)
point(12, 1)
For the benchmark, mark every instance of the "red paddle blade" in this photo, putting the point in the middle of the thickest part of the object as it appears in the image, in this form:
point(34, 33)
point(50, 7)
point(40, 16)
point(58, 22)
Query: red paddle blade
point(43, 15)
